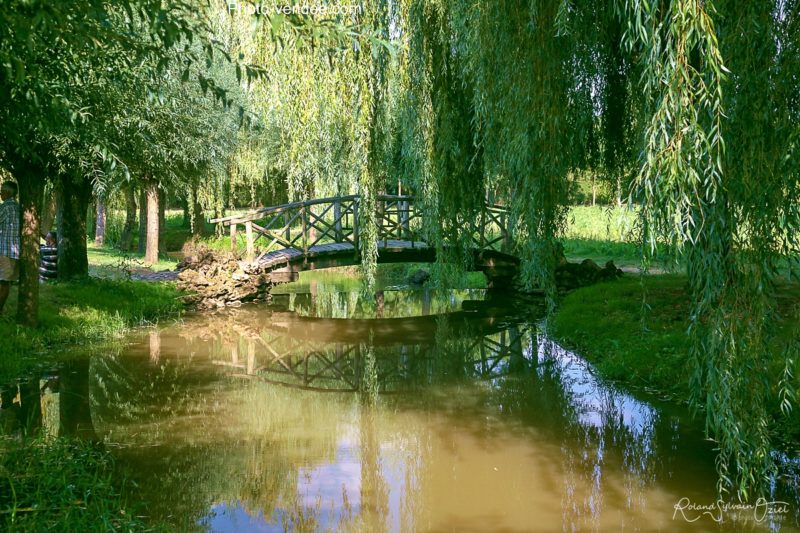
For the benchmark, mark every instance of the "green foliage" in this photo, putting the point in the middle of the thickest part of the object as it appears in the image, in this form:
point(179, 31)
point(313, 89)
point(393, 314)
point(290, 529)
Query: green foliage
point(689, 109)
point(730, 212)
point(62, 485)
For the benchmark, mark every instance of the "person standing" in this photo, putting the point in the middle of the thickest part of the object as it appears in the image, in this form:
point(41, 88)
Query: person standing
point(9, 239)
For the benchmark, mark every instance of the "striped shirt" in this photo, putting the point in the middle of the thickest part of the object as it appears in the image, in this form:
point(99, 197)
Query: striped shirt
point(9, 229)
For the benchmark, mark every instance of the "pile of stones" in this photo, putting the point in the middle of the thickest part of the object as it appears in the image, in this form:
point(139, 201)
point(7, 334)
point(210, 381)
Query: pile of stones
point(213, 280)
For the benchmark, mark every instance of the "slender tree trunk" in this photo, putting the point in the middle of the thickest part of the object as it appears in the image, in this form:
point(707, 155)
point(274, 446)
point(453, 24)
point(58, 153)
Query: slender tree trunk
point(130, 219)
point(594, 189)
point(198, 220)
point(91, 218)
point(142, 244)
point(186, 223)
point(100, 222)
point(49, 213)
point(162, 221)
point(73, 195)
point(151, 249)
point(30, 179)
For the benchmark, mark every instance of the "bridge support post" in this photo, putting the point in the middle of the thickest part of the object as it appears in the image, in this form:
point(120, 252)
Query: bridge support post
point(405, 207)
point(355, 227)
point(305, 229)
point(248, 226)
point(233, 236)
point(337, 217)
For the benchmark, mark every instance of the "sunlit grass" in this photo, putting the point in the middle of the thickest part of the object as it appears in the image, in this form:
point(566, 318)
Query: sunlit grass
point(601, 223)
point(80, 312)
point(62, 485)
point(108, 262)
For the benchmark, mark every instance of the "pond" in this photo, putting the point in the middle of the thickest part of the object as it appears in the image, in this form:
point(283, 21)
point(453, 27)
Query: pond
point(405, 410)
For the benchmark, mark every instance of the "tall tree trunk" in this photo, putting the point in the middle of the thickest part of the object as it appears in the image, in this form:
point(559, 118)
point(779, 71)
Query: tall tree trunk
point(130, 219)
point(187, 220)
point(91, 218)
point(198, 220)
point(100, 222)
point(73, 196)
point(151, 249)
point(143, 220)
point(162, 221)
point(30, 179)
point(48, 213)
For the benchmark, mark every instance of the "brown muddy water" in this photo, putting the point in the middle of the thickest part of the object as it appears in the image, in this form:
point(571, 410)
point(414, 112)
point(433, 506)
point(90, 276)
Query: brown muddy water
point(410, 410)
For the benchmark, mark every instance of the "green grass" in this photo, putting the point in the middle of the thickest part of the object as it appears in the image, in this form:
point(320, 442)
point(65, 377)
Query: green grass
point(600, 223)
point(81, 312)
point(603, 323)
point(61, 485)
point(108, 262)
point(605, 233)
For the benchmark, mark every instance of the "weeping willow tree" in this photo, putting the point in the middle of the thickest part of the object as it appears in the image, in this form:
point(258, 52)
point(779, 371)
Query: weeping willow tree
point(508, 98)
point(721, 75)
point(321, 112)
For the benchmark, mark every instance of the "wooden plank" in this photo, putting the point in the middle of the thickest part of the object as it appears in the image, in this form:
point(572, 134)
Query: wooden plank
point(248, 226)
point(233, 237)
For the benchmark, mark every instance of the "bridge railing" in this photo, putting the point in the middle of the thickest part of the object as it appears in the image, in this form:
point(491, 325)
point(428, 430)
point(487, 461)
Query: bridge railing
point(305, 224)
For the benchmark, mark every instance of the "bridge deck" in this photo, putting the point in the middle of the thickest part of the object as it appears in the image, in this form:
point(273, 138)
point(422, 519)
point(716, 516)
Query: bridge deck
point(283, 257)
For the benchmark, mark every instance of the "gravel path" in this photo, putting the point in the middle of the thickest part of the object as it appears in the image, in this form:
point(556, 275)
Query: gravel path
point(170, 275)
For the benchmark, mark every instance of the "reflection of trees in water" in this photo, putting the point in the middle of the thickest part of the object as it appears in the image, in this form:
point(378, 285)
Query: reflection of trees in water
point(610, 442)
point(247, 443)
point(189, 436)
point(329, 301)
point(53, 403)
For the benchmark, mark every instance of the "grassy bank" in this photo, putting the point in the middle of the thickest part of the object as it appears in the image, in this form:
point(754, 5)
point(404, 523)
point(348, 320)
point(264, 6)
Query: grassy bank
point(110, 263)
point(62, 485)
point(604, 324)
point(606, 233)
point(78, 313)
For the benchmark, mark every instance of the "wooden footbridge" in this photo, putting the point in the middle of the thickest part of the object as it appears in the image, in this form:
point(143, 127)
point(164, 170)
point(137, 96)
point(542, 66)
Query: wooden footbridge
point(325, 233)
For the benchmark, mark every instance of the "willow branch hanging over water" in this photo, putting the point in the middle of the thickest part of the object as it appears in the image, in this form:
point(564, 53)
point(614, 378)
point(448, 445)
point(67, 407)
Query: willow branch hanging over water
point(730, 212)
point(505, 101)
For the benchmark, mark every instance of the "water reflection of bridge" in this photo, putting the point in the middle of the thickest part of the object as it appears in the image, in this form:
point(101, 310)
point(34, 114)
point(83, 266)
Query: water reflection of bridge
point(326, 366)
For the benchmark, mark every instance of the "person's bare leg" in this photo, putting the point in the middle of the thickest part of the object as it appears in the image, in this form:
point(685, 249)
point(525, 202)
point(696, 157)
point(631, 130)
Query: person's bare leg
point(4, 289)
